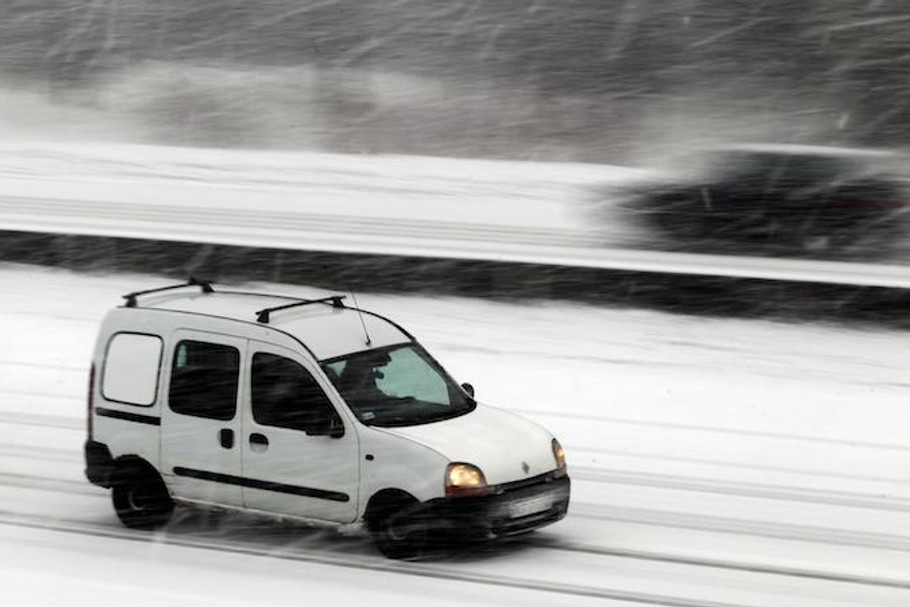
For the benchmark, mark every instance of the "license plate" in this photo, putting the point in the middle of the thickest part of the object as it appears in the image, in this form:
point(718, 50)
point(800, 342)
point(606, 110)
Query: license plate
point(531, 505)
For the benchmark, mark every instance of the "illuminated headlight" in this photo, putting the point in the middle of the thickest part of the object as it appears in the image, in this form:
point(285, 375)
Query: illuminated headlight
point(559, 454)
point(465, 479)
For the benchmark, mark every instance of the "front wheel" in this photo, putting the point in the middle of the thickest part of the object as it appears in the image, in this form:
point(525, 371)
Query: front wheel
point(400, 536)
point(141, 500)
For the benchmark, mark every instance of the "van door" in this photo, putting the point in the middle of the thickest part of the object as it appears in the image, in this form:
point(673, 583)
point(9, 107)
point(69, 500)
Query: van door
point(200, 427)
point(298, 456)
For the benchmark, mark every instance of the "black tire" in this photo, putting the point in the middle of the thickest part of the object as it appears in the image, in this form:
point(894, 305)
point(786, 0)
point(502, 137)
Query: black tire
point(141, 499)
point(400, 535)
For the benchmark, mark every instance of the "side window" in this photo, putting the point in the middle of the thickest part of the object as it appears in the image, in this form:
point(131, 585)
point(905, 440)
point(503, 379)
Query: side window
point(204, 379)
point(287, 396)
point(131, 367)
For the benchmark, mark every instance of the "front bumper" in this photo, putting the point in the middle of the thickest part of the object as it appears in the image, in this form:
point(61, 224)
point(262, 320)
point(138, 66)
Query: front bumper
point(513, 508)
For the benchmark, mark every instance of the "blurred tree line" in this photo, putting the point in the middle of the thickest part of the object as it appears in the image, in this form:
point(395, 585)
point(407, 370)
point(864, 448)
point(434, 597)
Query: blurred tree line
point(580, 73)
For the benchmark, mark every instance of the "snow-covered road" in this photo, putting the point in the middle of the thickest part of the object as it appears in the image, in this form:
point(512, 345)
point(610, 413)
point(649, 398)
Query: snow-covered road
point(715, 462)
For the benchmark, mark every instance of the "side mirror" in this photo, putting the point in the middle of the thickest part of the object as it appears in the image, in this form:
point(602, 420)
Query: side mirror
point(468, 388)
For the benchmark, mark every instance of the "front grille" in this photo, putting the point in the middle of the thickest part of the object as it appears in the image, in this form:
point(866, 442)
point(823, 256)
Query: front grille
point(540, 479)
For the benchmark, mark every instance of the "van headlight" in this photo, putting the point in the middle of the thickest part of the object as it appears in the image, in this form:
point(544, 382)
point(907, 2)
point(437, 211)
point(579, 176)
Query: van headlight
point(465, 480)
point(559, 454)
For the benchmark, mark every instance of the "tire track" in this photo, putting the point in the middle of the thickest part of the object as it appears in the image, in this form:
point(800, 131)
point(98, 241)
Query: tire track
point(349, 561)
point(792, 572)
point(600, 513)
point(421, 568)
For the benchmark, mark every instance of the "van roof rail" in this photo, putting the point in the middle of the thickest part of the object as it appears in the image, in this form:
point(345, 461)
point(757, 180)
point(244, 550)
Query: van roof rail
point(264, 314)
point(205, 285)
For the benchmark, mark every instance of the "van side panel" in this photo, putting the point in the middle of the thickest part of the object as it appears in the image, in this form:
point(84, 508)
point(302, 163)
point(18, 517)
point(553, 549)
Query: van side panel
point(393, 462)
point(200, 425)
point(386, 461)
point(125, 437)
point(124, 427)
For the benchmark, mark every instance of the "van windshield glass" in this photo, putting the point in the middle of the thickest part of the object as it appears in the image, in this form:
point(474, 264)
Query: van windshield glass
point(397, 386)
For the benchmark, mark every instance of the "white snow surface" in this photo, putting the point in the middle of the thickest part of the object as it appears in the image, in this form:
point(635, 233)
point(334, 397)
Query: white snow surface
point(528, 212)
point(748, 443)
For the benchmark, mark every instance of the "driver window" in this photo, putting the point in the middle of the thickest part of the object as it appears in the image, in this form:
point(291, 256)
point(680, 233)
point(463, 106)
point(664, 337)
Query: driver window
point(285, 395)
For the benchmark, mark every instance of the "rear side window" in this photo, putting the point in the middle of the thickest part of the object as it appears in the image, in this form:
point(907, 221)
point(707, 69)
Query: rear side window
point(204, 378)
point(131, 367)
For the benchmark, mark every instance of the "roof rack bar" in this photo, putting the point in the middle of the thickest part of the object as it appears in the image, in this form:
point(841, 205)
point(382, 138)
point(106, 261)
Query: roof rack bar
point(192, 282)
point(264, 315)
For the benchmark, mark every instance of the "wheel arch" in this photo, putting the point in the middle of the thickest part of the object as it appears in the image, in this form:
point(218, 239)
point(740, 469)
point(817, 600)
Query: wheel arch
point(384, 502)
point(132, 465)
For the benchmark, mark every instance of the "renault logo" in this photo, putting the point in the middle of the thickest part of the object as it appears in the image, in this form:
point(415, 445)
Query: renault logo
point(525, 467)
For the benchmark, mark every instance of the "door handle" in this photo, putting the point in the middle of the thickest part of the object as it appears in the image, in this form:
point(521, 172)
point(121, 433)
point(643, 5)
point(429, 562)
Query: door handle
point(258, 442)
point(226, 438)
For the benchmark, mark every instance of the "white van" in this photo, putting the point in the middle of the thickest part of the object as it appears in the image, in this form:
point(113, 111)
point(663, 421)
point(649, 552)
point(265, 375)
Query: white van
point(306, 409)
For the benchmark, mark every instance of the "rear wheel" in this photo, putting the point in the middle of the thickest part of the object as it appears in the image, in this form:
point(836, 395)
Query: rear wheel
point(141, 499)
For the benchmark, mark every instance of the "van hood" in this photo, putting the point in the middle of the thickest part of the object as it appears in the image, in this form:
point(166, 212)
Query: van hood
point(505, 446)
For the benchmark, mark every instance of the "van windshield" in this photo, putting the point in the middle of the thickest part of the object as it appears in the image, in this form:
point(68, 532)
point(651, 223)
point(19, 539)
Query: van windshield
point(397, 386)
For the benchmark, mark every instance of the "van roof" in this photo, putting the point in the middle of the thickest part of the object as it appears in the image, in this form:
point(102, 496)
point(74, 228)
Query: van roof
point(327, 330)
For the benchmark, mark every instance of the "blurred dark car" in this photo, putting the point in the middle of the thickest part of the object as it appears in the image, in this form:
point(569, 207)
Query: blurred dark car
point(778, 199)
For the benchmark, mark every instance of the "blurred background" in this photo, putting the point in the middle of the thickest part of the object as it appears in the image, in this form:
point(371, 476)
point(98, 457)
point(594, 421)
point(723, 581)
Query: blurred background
point(604, 81)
